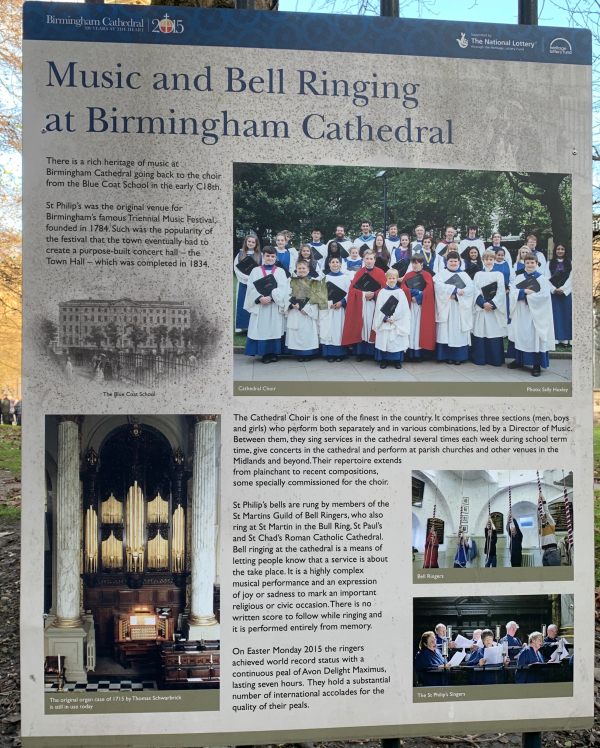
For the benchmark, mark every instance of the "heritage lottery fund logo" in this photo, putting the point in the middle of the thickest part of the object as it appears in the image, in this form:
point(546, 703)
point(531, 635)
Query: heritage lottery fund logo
point(165, 24)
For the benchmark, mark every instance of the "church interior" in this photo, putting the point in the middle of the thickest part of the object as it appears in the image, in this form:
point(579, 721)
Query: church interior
point(131, 556)
point(456, 502)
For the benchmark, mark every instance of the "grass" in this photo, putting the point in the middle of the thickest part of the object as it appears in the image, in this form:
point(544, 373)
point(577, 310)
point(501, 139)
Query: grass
point(10, 512)
point(10, 449)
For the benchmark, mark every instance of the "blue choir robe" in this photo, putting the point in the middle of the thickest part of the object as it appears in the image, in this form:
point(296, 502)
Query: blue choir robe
point(425, 660)
point(525, 674)
point(491, 675)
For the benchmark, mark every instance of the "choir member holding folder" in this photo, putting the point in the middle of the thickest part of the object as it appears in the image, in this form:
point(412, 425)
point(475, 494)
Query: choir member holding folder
point(331, 320)
point(391, 323)
point(302, 335)
point(531, 331)
point(247, 259)
point(418, 287)
point(360, 308)
point(453, 310)
point(266, 299)
point(489, 314)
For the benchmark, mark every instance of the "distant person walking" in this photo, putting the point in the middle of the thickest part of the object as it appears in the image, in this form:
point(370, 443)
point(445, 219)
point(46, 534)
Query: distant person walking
point(18, 409)
point(5, 411)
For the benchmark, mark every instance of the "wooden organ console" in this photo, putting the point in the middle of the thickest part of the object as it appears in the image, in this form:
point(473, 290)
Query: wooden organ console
point(137, 635)
point(190, 664)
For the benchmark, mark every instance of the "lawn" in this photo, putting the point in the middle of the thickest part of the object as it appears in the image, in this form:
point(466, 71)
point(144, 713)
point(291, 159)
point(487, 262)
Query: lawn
point(10, 472)
point(10, 449)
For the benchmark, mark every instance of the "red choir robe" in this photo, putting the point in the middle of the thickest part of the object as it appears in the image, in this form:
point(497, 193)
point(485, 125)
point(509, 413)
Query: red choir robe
point(353, 322)
point(430, 557)
point(427, 328)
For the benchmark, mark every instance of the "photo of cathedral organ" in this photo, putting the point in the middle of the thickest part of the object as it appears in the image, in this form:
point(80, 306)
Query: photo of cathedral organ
point(131, 561)
point(493, 524)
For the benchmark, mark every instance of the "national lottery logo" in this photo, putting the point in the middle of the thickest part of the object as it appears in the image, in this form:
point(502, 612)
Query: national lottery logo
point(167, 25)
point(462, 41)
point(560, 46)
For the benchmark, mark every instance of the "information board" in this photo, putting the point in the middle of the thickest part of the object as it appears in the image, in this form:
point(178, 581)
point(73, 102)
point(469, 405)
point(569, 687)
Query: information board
point(218, 542)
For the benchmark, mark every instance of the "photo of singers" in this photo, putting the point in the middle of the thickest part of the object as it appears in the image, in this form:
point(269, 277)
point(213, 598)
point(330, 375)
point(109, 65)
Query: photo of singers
point(476, 641)
point(480, 520)
point(355, 290)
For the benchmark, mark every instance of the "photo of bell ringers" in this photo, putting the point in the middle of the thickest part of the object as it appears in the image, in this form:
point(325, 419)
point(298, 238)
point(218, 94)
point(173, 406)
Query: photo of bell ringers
point(485, 525)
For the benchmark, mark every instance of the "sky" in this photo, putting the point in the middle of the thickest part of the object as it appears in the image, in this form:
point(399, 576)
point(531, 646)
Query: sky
point(491, 11)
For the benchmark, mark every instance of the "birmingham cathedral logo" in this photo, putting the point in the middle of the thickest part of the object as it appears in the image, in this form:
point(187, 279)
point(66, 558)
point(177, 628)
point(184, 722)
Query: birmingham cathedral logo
point(463, 42)
point(167, 25)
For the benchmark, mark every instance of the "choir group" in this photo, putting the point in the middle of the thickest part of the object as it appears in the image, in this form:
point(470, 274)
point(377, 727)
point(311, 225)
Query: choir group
point(490, 660)
point(391, 297)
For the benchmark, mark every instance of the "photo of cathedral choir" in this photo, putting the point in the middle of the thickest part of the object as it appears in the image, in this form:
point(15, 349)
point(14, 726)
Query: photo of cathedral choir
point(471, 642)
point(478, 519)
point(397, 296)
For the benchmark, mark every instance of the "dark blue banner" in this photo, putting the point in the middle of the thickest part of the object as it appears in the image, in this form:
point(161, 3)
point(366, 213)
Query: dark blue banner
point(131, 24)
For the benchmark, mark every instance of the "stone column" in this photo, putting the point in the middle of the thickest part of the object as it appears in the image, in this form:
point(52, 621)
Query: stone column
point(68, 525)
point(66, 635)
point(202, 621)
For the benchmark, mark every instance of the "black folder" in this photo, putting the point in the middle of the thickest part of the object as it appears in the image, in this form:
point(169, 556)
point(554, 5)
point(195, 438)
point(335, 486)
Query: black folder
point(488, 292)
point(341, 251)
point(389, 307)
point(381, 264)
point(334, 293)
point(401, 266)
point(417, 282)
point(363, 248)
point(301, 302)
point(529, 283)
point(367, 283)
point(265, 286)
point(456, 281)
point(247, 265)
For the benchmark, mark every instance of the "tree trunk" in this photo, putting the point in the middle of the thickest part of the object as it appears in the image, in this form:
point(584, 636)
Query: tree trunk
point(548, 193)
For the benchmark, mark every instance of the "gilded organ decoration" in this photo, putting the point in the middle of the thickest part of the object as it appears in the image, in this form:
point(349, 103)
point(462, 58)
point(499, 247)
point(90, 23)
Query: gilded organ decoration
point(158, 510)
point(111, 511)
point(135, 526)
point(112, 552)
point(91, 541)
point(178, 540)
point(158, 552)
point(135, 506)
